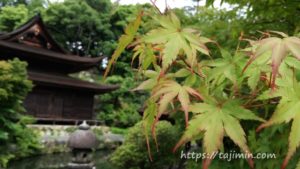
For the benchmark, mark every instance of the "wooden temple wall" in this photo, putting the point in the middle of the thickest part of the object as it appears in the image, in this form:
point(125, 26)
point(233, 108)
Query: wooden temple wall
point(53, 103)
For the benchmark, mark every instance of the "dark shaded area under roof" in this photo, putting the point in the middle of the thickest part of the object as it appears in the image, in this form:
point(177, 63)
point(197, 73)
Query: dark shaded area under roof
point(69, 82)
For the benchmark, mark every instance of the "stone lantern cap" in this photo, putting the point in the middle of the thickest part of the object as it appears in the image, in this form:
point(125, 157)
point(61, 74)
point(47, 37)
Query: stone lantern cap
point(83, 138)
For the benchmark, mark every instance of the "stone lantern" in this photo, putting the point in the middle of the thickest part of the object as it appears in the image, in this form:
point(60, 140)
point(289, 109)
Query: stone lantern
point(82, 142)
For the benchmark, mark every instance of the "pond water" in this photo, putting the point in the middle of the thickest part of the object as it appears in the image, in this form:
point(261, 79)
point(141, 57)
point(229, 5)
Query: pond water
point(58, 161)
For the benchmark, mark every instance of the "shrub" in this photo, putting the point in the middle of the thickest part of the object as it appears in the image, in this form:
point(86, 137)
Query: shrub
point(15, 139)
point(133, 154)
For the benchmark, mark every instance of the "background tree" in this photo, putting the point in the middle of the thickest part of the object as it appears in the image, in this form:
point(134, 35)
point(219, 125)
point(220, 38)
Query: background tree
point(268, 14)
point(87, 34)
point(12, 17)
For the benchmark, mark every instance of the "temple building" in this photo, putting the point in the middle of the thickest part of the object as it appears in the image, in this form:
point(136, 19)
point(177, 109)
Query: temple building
point(56, 95)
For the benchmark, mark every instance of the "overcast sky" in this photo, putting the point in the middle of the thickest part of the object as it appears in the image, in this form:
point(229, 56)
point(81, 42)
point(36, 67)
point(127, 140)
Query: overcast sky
point(171, 3)
point(160, 3)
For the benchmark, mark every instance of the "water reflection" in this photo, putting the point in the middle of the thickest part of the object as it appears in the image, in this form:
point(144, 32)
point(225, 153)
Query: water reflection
point(58, 161)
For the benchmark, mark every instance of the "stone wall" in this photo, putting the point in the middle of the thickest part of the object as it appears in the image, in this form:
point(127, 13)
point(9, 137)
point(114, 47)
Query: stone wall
point(54, 138)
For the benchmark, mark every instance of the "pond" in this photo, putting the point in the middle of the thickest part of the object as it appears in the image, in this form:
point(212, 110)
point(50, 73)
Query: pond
point(59, 161)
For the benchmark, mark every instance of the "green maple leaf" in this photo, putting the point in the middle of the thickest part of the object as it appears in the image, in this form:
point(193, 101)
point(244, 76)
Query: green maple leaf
point(216, 120)
point(176, 39)
point(125, 40)
point(145, 54)
point(227, 67)
point(287, 110)
point(148, 120)
point(255, 70)
point(163, 95)
point(149, 83)
point(154, 79)
point(279, 49)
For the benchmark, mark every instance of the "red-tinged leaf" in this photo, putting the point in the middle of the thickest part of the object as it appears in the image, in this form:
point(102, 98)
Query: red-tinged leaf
point(148, 119)
point(184, 99)
point(252, 58)
point(165, 101)
point(250, 163)
point(206, 40)
point(265, 45)
point(280, 33)
point(206, 163)
point(151, 73)
point(148, 147)
point(261, 47)
point(169, 90)
point(153, 131)
point(279, 52)
point(182, 73)
point(293, 44)
point(194, 92)
point(279, 47)
point(146, 85)
point(294, 140)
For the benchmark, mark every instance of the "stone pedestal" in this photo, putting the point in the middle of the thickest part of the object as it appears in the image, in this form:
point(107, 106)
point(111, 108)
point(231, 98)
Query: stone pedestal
point(82, 142)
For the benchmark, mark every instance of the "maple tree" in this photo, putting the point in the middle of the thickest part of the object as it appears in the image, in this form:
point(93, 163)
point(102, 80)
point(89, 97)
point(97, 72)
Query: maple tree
point(214, 93)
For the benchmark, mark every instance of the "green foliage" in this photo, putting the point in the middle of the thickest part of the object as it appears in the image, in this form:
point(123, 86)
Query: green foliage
point(242, 18)
point(79, 27)
point(116, 130)
point(121, 16)
point(228, 67)
point(133, 153)
point(16, 140)
point(30, 3)
point(12, 17)
point(223, 26)
point(268, 14)
point(120, 108)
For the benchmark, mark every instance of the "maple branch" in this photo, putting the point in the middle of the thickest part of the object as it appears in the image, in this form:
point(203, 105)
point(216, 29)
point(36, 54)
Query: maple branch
point(153, 2)
point(190, 67)
point(259, 105)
